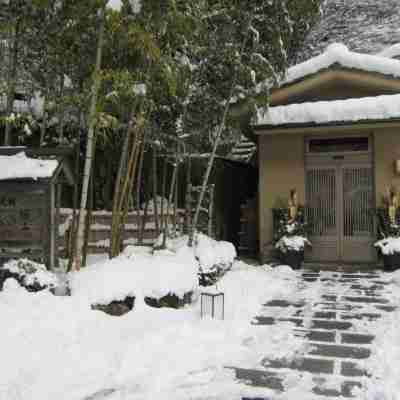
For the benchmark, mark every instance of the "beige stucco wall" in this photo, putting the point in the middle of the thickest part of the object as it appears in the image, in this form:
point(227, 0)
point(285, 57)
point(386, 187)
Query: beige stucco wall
point(281, 169)
point(387, 150)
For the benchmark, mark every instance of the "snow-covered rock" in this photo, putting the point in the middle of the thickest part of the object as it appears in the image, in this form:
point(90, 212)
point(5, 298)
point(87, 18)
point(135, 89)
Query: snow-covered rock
point(29, 274)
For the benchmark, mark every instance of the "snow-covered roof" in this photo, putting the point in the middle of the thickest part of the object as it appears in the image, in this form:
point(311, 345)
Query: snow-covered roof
point(339, 54)
point(19, 166)
point(364, 109)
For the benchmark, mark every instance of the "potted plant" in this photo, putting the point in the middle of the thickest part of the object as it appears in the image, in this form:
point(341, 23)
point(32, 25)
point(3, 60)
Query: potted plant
point(388, 244)
point(290, 233)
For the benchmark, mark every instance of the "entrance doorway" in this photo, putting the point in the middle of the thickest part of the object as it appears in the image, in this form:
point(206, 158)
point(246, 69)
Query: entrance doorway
point(340, 199)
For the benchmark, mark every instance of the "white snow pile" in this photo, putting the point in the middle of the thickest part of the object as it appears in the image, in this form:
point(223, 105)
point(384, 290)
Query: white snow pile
point(389, 246)
point(207, 251)
point(338, 53)
point(19, 166)
point(292, 243)
point(31, 273)
point(146, 354)
point(137, 274)
point(385, 357)
point(367, 108)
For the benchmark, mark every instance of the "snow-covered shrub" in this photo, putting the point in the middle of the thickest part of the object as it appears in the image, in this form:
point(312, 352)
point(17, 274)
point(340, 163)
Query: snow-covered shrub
point(137, 273)
point(33, 276)
point(292, 243)
point(214, 257)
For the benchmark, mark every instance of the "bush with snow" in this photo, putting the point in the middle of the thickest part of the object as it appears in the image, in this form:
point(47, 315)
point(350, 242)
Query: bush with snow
point(292, 243)
point(214, 257)
point(389, 246)
point(31, 275)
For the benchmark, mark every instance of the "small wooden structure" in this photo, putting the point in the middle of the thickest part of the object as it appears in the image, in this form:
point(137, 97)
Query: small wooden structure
point(30, 192)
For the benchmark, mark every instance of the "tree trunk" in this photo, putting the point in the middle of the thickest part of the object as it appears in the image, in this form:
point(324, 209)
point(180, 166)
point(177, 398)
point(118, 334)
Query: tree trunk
point(61, 111)
point(11, 82)
point(90, 143)
point(155, 184)
point(117, 190)
point(43, 125)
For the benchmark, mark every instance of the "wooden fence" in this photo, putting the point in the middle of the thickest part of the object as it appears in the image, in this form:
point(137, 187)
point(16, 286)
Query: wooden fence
point(100, 229)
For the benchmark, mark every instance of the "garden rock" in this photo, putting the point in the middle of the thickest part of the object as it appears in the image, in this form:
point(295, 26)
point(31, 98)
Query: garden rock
point(32, 276)
point(116, 308)
point(171, 300)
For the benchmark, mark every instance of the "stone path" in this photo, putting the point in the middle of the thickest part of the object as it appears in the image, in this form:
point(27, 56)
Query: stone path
point(332, 312)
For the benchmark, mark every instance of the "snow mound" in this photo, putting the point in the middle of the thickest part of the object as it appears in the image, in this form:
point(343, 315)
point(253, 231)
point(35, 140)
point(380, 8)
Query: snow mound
point(338, 53)
point(19, 166)
point(136, 273)
point(207, 251)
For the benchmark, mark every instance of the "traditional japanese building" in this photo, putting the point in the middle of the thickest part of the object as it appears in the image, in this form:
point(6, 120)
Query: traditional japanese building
point(332, 132)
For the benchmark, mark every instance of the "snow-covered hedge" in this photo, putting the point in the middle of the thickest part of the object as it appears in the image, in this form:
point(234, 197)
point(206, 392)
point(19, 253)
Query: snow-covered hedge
point(143, 273)
point(292, 243)
point(389, 246)
point(31, 275)
point(136, 274)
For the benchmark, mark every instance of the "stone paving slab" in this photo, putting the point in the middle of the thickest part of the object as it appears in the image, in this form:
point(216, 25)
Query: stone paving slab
point(356, 338)
point(318, 336)
point(315, 365)
point(352, 369)
point(364, 299)
point(339, 351)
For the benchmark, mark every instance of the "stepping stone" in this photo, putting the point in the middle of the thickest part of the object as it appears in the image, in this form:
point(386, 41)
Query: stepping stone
point(310, 279)
point(314, 365)
point(348, 386)
point(310, 274)
point(338, 306)
point(360, 276)
point(318, 314)
point(283, 303)
point(356, 299)
point(260, 378)
point(324, 315)
point(361, 287)
point(351, 369)
point(318, 336)
point(263, 321)
point(367, 316)
point(386, 308)
point(356, 338)
point(329, 297)
point(339, 351)
point(330, 325)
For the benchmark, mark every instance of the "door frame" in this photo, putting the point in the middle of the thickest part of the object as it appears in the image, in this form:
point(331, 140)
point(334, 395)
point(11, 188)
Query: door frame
point(327, 160)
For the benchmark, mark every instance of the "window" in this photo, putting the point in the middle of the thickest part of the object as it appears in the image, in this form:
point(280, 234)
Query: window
point(338, 145)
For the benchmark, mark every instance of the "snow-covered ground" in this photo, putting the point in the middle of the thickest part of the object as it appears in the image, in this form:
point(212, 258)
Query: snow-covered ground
point(57, 348)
